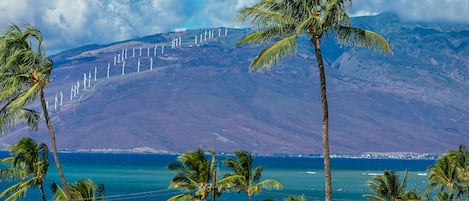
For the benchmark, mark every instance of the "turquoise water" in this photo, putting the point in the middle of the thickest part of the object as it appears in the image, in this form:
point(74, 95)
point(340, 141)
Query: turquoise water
point(144, 176)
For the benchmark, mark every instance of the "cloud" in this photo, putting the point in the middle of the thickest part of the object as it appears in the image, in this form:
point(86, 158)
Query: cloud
point(455, 11)
point(66, 24)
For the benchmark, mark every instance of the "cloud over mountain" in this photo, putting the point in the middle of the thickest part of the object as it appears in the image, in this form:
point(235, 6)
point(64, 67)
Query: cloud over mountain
point(67, 24)
point(422, 10)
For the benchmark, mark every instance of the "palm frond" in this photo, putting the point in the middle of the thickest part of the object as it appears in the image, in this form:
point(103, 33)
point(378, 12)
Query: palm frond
point(17, 191)
point(263, 36)
point(274, 53)
point(231, 181)
point(10, 117)
point(257, 174)
point(335, 13)
point(372, 197)
point(260, 17)
point(184, 183)
point(11, 174)
point(270, 184)
point(356, 37)
point(181, 197)
point(57, 192)
point(266, 13)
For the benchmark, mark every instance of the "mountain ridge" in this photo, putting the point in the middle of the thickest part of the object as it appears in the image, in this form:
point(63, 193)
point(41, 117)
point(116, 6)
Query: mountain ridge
point(203, 95)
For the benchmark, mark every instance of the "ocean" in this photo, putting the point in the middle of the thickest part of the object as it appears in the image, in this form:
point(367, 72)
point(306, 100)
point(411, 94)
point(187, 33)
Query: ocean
point(145, 177)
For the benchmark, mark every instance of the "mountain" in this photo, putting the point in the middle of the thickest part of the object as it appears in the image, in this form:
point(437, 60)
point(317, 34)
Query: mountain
point(203, 95)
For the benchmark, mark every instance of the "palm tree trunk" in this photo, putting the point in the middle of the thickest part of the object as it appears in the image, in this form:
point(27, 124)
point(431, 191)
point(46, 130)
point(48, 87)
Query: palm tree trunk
point(214, 186)
point(41, 191)
point(325, 120)
point(54, 146)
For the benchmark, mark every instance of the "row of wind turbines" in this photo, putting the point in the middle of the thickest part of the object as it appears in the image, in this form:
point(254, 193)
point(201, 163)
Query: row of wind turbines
point(122, 57)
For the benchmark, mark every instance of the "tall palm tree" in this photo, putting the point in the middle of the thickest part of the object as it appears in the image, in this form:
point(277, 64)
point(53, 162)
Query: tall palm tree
point(82, 190)
point(281, 22)
point(29, 165)
point(387, 187)
point(251, 177)
point(24, 73)
point(196, 175)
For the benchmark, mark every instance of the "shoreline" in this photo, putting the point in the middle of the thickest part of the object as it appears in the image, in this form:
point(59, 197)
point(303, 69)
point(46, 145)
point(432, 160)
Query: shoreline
point(364, 155)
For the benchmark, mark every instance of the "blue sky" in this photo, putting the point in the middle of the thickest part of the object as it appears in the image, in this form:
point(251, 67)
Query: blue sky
point(71, 23)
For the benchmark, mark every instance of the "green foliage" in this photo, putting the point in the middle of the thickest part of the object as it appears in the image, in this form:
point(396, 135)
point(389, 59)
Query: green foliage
point(194, 174)
point(388, 187)
point(251, 177)
point(24, 73)
point(28, 166)
point(281, 22)
point(82, 190)
point(448, 178)
point(295, 198)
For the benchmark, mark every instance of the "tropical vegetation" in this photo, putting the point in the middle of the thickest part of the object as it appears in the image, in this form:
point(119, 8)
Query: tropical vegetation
point(389, 187)
point(24, 73)
point(447, 181)
point(82, 190)
point(250, 182)
point(27, 166)
point(197, 176)
point(295, 198)
point(448, 178)
point(281, 22)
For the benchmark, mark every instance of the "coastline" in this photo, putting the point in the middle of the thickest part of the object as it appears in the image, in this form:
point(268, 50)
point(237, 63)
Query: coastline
point(364, 155)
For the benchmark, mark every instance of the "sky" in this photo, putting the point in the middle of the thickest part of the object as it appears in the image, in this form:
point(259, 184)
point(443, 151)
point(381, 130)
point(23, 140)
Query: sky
point(67, 24)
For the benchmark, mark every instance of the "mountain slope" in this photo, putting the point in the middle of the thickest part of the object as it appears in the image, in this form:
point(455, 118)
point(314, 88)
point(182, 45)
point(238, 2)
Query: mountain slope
point(203, 95)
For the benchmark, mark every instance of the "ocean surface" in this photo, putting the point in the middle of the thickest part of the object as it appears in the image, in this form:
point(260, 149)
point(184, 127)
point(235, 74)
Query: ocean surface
point(145, 177)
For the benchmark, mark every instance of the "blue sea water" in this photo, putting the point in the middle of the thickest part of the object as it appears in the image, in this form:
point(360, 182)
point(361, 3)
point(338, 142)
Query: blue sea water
point(145, 177)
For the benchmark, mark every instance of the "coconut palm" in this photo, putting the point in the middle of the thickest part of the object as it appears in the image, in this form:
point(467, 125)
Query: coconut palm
point(24, 73)
point(193, 173)
point(449, 176)
point(387, 187)
point(281, 22)
point(251, 177)
point(443, 177)
point(461, 160)
point(295, 198)
point(29, 165)
point(196, 175)
point(82, 190)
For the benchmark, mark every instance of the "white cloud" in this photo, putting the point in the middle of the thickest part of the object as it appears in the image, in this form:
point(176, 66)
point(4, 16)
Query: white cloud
point(417, 10)
point(67, 24)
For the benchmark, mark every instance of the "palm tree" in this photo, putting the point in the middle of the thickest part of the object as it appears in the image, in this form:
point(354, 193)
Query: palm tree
point(295, 198)
point(29, 165)
point(461, 159)
point(24, 74)
point(251, 177)
point(197, 175)
point(448, 175)
point(387, 187)
point(82, 190)
point(443, 176)
point(281, 22)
